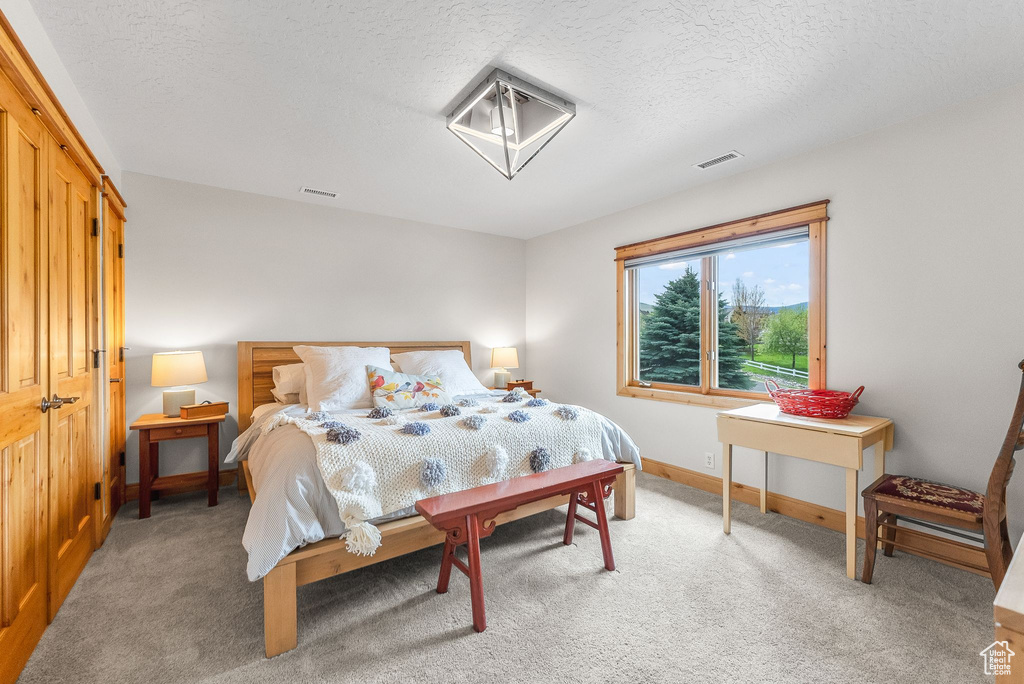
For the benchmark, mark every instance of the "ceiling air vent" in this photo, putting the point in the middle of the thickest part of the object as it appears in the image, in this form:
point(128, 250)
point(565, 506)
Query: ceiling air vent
point(728, 156)
point(318, 193)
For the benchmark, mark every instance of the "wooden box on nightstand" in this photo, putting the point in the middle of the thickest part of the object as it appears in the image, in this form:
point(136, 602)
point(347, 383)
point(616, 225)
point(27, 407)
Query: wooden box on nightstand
point(526, 385)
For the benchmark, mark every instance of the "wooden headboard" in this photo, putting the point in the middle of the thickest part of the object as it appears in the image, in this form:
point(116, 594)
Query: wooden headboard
point(256, 361)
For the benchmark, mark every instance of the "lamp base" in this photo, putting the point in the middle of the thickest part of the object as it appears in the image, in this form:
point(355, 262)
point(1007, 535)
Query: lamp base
point(175, 399)
point(501, 378)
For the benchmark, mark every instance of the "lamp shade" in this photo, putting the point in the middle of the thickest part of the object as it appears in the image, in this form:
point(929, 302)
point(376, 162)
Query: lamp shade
point(504, 357)
point(171, 369)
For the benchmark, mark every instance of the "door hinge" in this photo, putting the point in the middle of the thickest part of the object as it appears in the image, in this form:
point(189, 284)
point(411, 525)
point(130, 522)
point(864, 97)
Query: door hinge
point(120, 251)
point(121, 455)
point(95, 227)
point(98, 491)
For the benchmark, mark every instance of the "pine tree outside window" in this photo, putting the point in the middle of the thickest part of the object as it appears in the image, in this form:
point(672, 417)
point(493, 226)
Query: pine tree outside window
point(708, 315)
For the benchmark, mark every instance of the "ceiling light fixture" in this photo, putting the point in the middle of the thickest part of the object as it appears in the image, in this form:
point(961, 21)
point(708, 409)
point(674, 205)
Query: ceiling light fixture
point(507, 121)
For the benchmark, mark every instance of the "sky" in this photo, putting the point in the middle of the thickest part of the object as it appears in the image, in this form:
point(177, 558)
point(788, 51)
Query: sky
point(781, 271)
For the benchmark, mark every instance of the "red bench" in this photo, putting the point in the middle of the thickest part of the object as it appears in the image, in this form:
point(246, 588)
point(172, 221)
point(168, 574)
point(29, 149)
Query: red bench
point(469, 515)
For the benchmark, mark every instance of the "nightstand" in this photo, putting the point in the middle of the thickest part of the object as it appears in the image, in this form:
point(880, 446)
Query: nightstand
point(526, 385)
point(155, 428)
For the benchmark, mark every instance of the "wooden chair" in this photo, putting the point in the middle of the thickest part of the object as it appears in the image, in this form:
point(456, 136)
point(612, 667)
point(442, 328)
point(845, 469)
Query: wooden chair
point(933, 504)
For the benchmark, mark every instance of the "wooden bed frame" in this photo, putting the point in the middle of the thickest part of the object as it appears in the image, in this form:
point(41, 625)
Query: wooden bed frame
point(327, 558)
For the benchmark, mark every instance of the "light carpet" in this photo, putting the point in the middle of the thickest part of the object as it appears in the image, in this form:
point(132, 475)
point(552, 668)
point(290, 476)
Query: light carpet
point(166, 600)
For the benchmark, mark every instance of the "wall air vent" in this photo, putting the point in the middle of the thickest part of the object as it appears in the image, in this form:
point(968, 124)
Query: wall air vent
point(318, 193)
point(728, 156)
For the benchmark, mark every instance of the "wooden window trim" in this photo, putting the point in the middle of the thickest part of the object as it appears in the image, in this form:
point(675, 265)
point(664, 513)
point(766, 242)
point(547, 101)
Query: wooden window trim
point(814, 216)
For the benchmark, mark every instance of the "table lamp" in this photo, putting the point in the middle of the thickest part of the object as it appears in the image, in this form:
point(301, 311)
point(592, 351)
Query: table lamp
point(175, 370)
point(503, 358)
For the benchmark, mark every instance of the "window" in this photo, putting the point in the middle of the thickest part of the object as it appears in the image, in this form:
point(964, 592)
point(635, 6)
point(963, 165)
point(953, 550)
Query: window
point(709, 315)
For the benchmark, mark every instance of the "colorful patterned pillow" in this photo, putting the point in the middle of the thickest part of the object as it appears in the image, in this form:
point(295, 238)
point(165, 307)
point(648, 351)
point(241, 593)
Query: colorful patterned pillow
point(402, 391)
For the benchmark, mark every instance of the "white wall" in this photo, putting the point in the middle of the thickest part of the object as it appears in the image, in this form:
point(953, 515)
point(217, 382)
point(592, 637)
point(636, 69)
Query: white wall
point(925, 243)
point(925, 283)
point(26, 24)
point(206, 267)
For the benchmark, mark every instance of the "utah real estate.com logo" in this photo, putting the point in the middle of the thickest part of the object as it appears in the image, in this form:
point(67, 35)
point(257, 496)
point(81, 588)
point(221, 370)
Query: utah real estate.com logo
point(997, 658)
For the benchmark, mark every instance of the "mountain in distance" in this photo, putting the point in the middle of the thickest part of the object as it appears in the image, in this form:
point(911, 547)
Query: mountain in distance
point(646, 308)
point(802, 306)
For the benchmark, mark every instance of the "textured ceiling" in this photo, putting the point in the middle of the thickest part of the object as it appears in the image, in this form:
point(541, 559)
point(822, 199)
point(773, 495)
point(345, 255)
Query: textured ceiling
point(352, 96)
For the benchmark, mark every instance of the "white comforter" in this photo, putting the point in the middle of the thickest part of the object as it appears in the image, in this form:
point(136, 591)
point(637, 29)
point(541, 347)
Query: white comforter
point(294, 507)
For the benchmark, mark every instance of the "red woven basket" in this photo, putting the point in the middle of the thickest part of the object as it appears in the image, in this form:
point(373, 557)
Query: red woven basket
point(813, 403)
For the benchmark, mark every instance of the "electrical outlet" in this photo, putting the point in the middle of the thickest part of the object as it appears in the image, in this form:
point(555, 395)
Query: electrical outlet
point(709, 460)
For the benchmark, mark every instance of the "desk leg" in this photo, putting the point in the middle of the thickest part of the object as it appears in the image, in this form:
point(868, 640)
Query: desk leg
point(879, 459)
point(851, 523)
point(145, 478)
point(880, 466)
point(764, 486)
point(727, 487)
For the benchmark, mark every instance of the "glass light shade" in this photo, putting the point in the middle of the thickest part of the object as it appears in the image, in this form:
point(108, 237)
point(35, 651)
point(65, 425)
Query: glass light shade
point(504, 357)
point(507, 121)
point(496, 125)
point(173, 369)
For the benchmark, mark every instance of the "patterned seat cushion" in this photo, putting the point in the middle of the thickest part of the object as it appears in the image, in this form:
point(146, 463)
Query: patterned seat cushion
point(931, 493)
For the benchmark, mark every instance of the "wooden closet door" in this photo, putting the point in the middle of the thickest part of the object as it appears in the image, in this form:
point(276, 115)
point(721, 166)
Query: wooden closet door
point(24, 380)
point(113, 313)
point(74, 451)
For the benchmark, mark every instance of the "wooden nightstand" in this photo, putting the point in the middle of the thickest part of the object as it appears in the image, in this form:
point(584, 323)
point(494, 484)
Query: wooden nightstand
point(526, 385)
point(155, 428)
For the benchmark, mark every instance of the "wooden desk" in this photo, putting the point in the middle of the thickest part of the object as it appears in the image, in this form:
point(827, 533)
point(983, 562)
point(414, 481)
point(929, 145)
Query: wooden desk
point(1008, 610)
point(836, 442)
point(155, 428)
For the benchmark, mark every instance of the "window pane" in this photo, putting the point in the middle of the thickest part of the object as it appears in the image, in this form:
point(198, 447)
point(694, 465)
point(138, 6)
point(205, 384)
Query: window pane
point(762, 321)
point(669, 323)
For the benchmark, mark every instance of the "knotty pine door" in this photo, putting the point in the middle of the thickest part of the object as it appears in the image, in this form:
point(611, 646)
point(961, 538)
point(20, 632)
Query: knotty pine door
point(75, 465)
point(113, 318)
point(24, 380)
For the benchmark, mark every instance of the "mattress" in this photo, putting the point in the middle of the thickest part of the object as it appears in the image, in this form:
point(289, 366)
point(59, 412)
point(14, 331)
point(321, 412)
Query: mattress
point(294, 506)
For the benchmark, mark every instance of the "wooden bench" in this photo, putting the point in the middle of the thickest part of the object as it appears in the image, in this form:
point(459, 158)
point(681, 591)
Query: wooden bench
point(469, 515)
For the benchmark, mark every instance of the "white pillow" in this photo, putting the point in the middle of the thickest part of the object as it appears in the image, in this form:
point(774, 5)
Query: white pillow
point(290, 383)
point(336, 376)
point(449, 365)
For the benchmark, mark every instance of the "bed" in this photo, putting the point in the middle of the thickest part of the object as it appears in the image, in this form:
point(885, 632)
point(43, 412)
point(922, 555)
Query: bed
point(329, 556)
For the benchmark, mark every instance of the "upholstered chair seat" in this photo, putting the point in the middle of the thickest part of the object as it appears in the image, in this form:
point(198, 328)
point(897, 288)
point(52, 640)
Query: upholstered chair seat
point(952, 500)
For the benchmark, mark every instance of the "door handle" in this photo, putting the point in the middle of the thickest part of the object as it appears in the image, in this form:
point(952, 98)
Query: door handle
point(115, 379)
point(56, 402)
